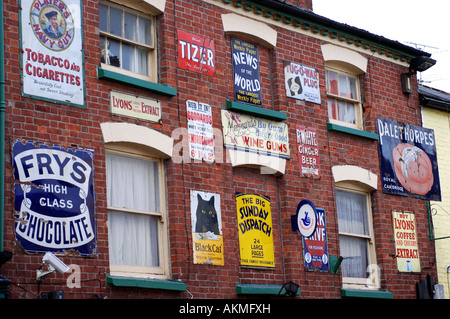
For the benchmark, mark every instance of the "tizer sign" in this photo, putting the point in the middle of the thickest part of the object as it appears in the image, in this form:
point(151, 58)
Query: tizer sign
point(196, 53)
point(54, 198)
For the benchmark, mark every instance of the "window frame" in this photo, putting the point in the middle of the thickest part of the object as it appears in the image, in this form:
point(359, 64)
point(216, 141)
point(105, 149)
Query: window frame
point(340, 70)
point(163, 270)
point(151, 49)
point(372, 281)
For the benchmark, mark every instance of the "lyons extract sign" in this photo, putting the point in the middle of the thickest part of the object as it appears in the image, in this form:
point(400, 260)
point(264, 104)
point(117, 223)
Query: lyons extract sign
point(408, 160)
point(52, 58)
point(254, 218)
point(406, 245)
point(207, 237)
point(54, 198)
point(247, 85)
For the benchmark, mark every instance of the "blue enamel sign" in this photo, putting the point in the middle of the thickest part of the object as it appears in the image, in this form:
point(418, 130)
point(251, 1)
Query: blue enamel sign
point(408, 160)
point(315, 247)
point(247, 86)
point(54, 198)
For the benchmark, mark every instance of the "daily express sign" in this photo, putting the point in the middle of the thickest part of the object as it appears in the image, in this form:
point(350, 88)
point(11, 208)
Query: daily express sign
point(54, 198)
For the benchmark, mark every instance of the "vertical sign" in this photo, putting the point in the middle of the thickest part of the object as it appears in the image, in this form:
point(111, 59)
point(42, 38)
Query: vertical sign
point(206, 219)
point(301, 82)
point(247, 86)
point(408, 160)
point(254, 220)
point(308, 151)
point(52, 46)
point(200, 130)
point(406, 245)
point(315, 247)
point(54, 198)
point(196, 53)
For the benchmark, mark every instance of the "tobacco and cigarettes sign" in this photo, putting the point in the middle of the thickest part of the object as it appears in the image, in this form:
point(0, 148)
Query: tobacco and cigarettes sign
point(54, 198)
point(406, 245)
point(254, 220)
point(52, 47)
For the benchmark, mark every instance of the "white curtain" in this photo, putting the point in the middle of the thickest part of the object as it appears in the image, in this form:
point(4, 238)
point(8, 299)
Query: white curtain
point(352, 218)
point(132, 184)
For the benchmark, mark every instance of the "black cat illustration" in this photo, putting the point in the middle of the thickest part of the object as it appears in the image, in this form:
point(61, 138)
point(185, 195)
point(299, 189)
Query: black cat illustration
point(206, 216)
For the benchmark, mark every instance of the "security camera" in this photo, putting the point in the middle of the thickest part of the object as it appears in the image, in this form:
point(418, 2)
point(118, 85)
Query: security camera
point(53, 263)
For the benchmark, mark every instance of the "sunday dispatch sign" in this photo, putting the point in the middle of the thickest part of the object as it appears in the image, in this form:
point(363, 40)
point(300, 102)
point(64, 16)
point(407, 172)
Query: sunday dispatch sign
point(54, 198)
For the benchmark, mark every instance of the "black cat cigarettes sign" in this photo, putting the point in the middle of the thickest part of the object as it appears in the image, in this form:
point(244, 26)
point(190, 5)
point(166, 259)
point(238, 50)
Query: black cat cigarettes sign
point(206, 220)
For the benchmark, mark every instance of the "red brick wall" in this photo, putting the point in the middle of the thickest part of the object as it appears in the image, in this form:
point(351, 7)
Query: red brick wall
point(68, 126)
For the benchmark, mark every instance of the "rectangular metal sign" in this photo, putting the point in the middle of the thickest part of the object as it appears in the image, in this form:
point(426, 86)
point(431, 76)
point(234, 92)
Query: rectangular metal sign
point(301, 82)
point(196, 53)
point(133, 106)
point(54, 200)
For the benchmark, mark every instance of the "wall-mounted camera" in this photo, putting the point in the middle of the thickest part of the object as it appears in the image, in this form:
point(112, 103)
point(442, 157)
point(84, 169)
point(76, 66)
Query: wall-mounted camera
point(53, 263)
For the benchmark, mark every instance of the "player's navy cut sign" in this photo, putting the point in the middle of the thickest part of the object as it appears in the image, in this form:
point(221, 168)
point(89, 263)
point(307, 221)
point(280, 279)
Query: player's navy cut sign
point(54, 198)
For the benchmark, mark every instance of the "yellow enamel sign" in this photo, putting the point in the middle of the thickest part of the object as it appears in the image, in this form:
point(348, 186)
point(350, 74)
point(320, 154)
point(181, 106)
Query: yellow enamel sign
point(254, 220)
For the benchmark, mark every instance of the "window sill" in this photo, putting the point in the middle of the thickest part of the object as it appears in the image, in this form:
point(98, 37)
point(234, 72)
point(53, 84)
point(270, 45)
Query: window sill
point(352, 131)
point(357, 293)
point(253, 289)
point(146, 283)
point(256, 111)
point(129, 80)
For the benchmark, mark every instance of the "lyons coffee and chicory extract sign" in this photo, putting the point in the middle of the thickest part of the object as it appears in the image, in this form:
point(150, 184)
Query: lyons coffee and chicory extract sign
point(52, 47)
point(247, 85)
point(408, 160)
point(196, 53)
point(248, 133)
point(54, 198)
point(406, 245)
point(254, 220)
point(133, 106)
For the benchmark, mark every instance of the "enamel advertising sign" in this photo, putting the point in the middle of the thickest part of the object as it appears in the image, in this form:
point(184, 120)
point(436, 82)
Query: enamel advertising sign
point(134, 106)
point(206, 219)
point(408, 160)
point(200, 130)
point(301, 82)
point(196, 53)
point(52, 46)
point(315, 247)
point(254, 220)
point(54, 198)
point(406, 245)
point(308, 151)
point(248, 133)
point(247, 85)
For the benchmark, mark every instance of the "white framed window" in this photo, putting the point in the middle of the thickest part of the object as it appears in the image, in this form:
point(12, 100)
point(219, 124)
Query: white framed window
point(136, 200)
point(127, 41)
point(356, 238)
point(343, 98)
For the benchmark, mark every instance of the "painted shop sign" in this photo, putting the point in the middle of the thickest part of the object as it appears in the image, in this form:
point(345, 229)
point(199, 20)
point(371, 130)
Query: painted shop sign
point(200, 130)
point(52, 46)
point(406, 245)
point(308, 151)
point(133, 106)
point(254, 220)
point(54, 198)
point(301, 82)
point(315, 247)
point(408, 160)
point(247, 85)
point(196, 53)
point(206, 220)
point(248, 133)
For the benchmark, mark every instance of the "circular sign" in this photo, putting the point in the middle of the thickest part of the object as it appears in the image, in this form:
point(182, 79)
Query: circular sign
point(53, 25)
point(306, 218)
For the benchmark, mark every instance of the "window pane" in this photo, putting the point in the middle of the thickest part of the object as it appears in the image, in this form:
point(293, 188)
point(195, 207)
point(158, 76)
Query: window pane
point(352, 212)
point(351, 113)
point(145, 31)
point(113, 53)
point(341, 109)
point(103, 51)
point(103, 17)
point(332, 103)
point(128, 57)
point(354, 251)
point(115, 24)
point(132, 183)
point(343, 86)
point(352, 85)
point(133, 239)
point(333, 87)
point(142, 56)
point(130, 26)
